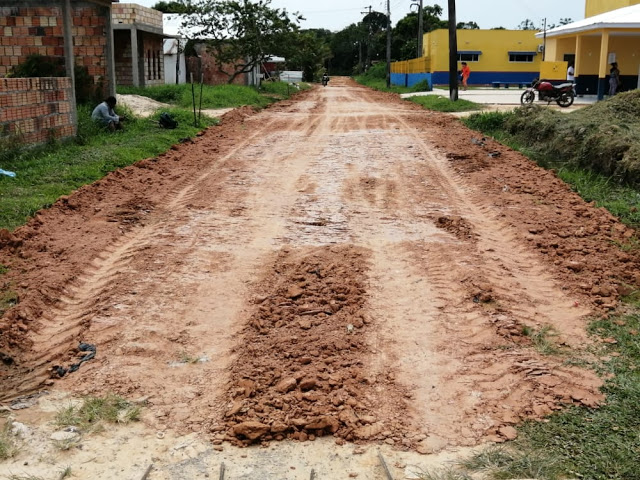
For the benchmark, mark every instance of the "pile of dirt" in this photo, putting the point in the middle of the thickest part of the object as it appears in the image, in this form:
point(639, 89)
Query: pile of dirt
point(303, 371)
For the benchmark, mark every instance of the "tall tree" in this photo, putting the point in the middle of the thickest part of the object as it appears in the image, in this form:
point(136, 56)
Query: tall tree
point(309, 53)
point(242, 34)
point(467, 26)
point(175, 6)
point(405, 33)
point(527, 24)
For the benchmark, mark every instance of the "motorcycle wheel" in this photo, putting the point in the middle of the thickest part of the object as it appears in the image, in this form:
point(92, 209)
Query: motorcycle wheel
point(527, 97)
point(565, 99)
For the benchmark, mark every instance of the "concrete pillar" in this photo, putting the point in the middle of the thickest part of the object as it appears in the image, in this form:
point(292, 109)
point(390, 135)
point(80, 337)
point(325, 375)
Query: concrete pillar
point(69, 57)
point(602, 65)
point(578, 64)
point(109, 53)
point(135, 57)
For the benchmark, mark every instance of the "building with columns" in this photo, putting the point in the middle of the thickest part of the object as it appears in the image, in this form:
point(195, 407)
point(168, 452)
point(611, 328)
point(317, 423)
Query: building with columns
point(609, 33)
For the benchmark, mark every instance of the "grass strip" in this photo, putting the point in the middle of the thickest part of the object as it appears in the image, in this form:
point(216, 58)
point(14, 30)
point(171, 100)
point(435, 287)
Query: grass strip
point(46, 172)
point(444, 104)
point(216, 96)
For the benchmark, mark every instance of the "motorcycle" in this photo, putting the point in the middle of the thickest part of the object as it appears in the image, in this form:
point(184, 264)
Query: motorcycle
point(562, 94)
point(325, 80)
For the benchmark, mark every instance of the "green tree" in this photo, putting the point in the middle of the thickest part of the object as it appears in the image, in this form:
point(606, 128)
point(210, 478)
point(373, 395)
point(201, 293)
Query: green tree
point(405, 33)
point(467, 26)
point(527, 25)
point(242, 34)
point(175, 6)
point(310, 53)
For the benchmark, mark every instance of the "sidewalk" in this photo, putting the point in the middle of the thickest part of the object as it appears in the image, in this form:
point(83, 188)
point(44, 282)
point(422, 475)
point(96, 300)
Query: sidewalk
point(496, 96)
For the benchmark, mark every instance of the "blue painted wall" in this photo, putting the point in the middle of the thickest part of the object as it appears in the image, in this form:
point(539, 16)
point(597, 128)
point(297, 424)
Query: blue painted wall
point(485, 78)
point(410, 79)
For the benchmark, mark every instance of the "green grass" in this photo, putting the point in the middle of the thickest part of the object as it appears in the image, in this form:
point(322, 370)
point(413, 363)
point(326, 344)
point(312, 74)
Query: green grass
point(95, 410)
point(443, 104)
point(46, 172)
point(215, 96)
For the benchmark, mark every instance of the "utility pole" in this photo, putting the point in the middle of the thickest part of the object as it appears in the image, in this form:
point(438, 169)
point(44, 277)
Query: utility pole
point(544, 41)
point(453, 53)
point(420, 28)
point(370, 8)
point(388, 43)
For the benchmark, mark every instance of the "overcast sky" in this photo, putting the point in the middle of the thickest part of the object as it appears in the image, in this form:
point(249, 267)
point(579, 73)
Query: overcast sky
point(337, 14)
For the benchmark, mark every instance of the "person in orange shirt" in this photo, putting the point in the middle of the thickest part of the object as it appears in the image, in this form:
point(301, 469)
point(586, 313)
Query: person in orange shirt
point(466, 71)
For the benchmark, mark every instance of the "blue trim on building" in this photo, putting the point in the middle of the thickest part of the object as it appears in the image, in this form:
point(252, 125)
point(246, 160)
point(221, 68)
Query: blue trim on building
point(470, 52)
point(486, 78)
point(410, 79)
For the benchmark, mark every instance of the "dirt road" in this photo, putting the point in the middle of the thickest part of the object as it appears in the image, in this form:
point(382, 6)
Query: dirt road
point(341, 264)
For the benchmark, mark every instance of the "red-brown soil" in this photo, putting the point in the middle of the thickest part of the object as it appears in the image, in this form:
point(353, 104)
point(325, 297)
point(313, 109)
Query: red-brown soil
point(344, 263)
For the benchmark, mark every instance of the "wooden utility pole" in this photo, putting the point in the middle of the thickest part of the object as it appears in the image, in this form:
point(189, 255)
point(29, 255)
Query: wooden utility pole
point(388, 43)
point(453, 52)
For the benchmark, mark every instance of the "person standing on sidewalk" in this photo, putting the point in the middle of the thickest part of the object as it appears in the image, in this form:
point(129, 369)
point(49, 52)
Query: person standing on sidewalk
point(614, 79)
point(466, 71)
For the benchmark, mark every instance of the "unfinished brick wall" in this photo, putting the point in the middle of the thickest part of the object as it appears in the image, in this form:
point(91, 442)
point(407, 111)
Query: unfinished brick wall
point(206, 64)
point(35, 110)
point(90, 42)
point(39, 30)
point(25, 31)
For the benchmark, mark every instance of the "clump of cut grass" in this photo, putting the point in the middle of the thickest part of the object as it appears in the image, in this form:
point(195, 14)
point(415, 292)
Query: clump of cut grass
point(502, 463)
point(442, 474)
point(95, 410)
point(542, 339)
point(8, 299)
point(8, 445)
point(443, 104)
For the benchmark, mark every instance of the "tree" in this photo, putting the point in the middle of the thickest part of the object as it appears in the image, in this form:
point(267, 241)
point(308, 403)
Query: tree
point(311, 51)
point(405, 33)
point(176, 6)
point(242, 34)
point(467, 26)
point(527, 25)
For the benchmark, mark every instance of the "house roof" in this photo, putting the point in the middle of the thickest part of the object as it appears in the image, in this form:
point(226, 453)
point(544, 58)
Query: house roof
point(622, 18)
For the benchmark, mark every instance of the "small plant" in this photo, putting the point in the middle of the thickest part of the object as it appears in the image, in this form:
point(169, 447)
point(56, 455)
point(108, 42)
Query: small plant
point(65, 473)
point(95, 410)
point(8, 445)
point(3, 269)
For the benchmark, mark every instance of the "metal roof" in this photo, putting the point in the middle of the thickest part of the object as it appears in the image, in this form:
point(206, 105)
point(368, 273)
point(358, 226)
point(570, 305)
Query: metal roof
point(622, 18)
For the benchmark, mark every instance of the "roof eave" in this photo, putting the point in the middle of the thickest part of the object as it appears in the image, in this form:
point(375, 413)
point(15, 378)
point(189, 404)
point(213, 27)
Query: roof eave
point(588, 28)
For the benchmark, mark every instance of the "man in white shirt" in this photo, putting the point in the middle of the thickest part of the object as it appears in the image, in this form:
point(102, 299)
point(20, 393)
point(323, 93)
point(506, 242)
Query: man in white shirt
point(104, 115)
point(571, 74)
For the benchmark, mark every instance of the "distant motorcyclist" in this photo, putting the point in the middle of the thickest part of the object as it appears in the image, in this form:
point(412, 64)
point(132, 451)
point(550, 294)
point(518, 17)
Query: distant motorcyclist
point(325, 79)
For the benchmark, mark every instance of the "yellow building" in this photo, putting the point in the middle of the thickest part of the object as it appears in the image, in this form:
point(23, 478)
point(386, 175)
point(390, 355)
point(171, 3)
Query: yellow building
point(511, 56)
point(596, 7)
point(594, 43)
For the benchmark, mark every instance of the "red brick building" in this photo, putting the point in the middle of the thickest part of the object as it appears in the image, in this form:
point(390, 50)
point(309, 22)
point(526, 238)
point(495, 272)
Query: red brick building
point(78, 33)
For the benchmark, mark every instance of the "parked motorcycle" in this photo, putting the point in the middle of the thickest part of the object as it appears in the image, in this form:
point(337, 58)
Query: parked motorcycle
point(562, 94)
